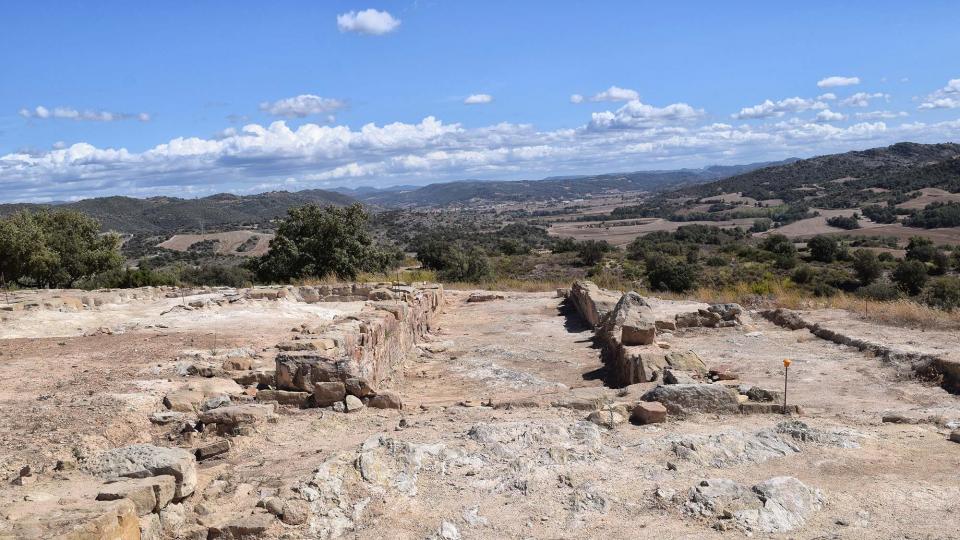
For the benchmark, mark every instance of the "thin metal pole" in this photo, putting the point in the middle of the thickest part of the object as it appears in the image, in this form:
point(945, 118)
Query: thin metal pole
point(786, 370)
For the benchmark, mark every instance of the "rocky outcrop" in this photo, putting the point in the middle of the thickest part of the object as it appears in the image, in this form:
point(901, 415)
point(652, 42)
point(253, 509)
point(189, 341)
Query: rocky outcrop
point(715, 316)
point(777, 505)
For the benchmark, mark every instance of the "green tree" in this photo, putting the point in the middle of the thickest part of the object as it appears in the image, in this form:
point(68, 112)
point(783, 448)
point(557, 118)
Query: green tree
point(55, 248)
point(784, 251)
point(465, 265)
point(910, 275)
point(867, 266)
point(315, 241)
point(823, 248)
point(921, 249)
point(591, 251)
point(667, 274)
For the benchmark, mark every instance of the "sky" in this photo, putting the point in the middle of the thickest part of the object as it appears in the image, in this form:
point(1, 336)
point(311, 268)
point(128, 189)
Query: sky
point(193, 98)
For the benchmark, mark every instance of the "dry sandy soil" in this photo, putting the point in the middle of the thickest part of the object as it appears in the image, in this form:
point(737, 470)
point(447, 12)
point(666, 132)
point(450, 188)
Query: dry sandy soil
point(452, 466)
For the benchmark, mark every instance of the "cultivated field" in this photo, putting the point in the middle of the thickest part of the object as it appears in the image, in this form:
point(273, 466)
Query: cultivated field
point(227, 242)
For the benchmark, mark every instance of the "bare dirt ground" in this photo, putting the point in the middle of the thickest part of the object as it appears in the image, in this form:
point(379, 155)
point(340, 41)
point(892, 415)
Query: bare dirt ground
point(229, 242)
point(930, 196)
point(455, 464)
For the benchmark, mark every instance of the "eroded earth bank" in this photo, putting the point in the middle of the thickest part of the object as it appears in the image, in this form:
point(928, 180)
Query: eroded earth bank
point(395, 411)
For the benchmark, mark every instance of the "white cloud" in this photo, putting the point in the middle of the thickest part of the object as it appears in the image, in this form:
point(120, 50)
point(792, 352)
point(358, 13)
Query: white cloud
point(478, 99)
point(835, 81)
point(881, 115)
point(769, 109)
point(576, 98)
point(615, 93)
point(862, 99)
point(302, 106)
point(947, 97)
point(640, 115)
point(827, 115)
point(368, 21)
point(276, 156)
point(68, 113)
point(829, 96)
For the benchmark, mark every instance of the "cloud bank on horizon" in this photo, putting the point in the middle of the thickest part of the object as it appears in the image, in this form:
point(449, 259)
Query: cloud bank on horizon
point(299, 143)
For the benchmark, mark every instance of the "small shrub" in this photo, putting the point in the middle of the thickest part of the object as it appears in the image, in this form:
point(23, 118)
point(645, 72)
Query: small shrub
point(943, 293)
point(910, 275)
point(881, 291)
point(867, 266)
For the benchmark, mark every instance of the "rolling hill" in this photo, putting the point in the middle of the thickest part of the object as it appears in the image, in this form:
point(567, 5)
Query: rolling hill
point(166, 214)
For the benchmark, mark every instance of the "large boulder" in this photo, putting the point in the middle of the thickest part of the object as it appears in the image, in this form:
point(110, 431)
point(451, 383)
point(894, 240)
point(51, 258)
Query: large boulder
point(631, 321)
point(146, 460)
point(694, 398)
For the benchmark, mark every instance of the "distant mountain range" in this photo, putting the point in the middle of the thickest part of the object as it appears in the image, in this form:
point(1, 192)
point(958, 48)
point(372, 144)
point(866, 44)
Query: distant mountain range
point(469, 192)
point(216, 212)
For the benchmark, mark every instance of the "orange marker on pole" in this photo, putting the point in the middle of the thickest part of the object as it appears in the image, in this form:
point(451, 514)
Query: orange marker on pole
point(786, 369)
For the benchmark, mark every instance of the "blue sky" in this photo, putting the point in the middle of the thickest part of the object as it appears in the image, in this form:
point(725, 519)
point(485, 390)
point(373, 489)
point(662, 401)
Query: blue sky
point(101, 98)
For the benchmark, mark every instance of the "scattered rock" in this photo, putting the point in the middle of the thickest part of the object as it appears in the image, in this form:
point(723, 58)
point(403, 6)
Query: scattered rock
point(484, 297)
point(237, 364)
point(386, 400)
point(756, 393)
point(285, 397)
point(352, 403)
point(147, 494)
point(326, 394)
point(608, 418)
point(955, 436)
point(143, 460)
point(671, 376)
point(359, 387)
point(213, 449)
point(234, 416)
point(649, 412)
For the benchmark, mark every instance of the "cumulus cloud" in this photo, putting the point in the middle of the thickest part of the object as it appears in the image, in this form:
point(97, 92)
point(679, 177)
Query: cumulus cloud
point(835, 81)
point(947, 97)
point(576, 98)
point(302, 106)
point(478, 99)
point(368, 21)
point(829, 96)
point(827, 115)
point(640, 115)
point(615, 93)
point(277, 156)
point(862, 99)
point(69, 113)
point(769, 108)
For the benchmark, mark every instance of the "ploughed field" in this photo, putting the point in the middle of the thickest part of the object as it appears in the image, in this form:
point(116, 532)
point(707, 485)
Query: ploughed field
point(395, 411)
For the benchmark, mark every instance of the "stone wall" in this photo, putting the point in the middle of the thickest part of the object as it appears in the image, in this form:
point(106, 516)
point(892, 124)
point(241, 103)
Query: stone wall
point(923, 365)
point(368, 346)
point(626, 331)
